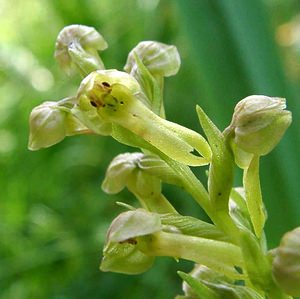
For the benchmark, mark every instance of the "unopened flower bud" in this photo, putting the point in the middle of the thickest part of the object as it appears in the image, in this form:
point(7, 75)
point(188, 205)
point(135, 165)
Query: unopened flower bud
point(138, 170)
point(76, 48)
point(258, 124)
point(149, 62)
point(238, 208)
point(160, 59)
point(50, 123)
point(119, 170)
point(286, 264)
point(141, 174)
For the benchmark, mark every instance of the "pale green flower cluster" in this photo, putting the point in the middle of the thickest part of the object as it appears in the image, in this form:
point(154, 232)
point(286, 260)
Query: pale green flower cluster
point(231, 257)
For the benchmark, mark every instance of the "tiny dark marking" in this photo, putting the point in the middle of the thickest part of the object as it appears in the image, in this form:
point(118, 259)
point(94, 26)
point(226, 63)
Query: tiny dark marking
point(93, 103)
point(106, 84)
point(130, 241)
point(220, 193)
point(121, 102)
point(238, 269)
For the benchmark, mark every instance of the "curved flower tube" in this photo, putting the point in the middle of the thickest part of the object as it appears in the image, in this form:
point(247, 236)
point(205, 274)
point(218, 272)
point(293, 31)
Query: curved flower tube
point(145, 234)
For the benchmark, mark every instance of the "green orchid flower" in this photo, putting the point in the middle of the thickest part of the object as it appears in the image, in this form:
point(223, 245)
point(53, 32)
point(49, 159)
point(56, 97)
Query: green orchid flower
point(141, 174)
point(115, 96)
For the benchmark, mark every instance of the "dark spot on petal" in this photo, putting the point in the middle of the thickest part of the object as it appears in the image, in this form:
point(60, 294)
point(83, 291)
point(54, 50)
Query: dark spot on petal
point(132, 241)
point(93, 103)
point(106, 84)
point(129, 241)
point(238, 269)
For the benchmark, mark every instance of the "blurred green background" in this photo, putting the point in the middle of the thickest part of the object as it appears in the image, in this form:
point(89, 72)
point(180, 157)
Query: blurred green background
point(53, 214)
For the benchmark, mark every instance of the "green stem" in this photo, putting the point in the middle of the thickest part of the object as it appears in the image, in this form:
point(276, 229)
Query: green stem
point(191, 184)
point(195, 188)
point(223, 221)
